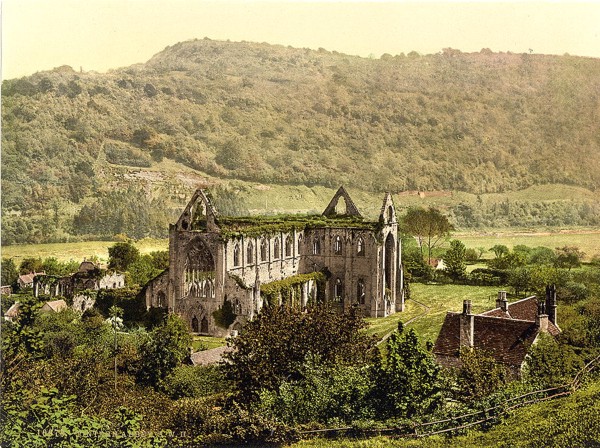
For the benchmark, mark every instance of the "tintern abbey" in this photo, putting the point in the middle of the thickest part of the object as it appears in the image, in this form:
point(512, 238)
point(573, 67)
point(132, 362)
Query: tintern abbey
point(223, 270)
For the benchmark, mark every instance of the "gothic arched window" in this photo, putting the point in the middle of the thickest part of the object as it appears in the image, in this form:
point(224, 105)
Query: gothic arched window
point(276, 248)
point(338, 290)
point(236, 254)
point(264, 249)
point(360, 247)
point(337, 245)
point(250, 253)
point(288, 246)
point(316, 248)
point(360, 291)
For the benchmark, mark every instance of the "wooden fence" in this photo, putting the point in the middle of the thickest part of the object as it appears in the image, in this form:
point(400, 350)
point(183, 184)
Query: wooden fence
point(464, 421)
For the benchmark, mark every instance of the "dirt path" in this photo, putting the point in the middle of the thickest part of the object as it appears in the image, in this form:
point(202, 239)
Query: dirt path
point(425, 312)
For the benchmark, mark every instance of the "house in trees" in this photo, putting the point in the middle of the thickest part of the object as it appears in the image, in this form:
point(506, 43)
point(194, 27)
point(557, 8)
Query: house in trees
point(223, 270)
point(505, 332)
point(26, 280)
point(54, 306)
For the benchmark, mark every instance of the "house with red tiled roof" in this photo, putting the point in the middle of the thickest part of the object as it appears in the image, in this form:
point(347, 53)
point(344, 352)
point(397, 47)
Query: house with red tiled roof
point(505, 332)
point(26, 280)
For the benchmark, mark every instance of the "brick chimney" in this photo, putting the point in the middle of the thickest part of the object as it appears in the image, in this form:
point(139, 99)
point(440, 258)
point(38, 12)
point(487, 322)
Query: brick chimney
point(541, 320)
point(501, 301)
point(467, 326)
point(551, 303)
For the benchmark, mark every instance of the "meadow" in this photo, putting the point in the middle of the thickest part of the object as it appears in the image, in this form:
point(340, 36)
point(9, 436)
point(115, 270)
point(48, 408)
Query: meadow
point(428, 305)
point(587, 240)
point(77, 251)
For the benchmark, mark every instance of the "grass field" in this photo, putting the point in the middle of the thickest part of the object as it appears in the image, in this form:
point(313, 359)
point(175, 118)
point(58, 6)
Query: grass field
point(442, 298)
point(588, 240)
point(428, 305)
point(76, 251)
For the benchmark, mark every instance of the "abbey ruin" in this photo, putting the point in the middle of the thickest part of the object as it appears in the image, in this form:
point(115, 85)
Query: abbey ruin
point(223, 270)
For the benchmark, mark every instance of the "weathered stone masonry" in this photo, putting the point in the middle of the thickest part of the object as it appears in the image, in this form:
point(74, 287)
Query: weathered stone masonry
point(219, 263)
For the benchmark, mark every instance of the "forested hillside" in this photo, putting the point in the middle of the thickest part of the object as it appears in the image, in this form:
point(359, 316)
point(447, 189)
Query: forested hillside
point(127, 147)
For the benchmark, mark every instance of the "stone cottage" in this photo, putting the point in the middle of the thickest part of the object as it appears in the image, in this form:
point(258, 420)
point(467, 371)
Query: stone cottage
point(223, 270)
point(505, 332)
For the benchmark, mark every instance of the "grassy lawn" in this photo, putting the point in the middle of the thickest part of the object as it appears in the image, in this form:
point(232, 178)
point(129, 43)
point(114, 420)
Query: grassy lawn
point(438, 299)
point(384, 325)
point(76, 251)
point(207, 342)
point(443, 298)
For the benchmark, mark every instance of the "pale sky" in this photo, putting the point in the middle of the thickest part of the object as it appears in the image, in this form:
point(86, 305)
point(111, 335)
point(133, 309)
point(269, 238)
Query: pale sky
point(103, 34)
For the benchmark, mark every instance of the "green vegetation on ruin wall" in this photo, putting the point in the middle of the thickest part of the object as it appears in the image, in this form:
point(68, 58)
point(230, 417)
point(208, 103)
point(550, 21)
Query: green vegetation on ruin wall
point(288, 288)
point(256, 226)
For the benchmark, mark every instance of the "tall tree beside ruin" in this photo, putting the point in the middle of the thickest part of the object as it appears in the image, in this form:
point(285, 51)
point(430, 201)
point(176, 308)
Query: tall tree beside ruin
point(454, 259)
point(428, 226)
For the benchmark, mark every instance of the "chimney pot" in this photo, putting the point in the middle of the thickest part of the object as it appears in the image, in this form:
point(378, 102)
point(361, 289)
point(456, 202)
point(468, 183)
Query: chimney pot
point(467, 326)
point(466, 307)
point(501, 301)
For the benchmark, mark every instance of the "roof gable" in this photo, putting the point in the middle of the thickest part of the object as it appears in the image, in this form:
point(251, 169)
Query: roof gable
point(332, 208)
point(506, 336)
point(55, 305)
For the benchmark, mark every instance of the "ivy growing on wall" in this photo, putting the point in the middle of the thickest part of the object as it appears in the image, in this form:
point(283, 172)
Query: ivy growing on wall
point(289, 288)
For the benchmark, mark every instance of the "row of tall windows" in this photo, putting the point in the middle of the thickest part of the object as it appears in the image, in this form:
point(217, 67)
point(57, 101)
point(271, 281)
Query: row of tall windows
point(263, 250)
point(338, 246)
point(338, 291)
point(288, 249)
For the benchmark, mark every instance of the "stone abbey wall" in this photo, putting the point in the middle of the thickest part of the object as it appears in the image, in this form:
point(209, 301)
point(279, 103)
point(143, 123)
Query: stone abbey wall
point(215, 274)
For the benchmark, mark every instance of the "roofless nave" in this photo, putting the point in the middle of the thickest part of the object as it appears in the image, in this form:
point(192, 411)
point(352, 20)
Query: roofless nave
point(223, 270)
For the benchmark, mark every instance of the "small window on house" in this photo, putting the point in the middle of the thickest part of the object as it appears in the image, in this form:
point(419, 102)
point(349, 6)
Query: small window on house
point(338, 290)
point(250, 253)
point(264, 249)
point(360, 247)
point(288, 246)
point(316, 248)
point(337, 245)
point(236, 255)
point(360, 291)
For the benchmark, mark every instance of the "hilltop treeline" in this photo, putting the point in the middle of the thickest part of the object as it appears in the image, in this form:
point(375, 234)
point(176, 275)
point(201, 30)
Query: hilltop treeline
point(477, 122)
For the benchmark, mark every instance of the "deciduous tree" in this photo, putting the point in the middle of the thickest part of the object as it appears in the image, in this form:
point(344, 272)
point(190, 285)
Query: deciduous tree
point(429, 226)
point(454, 260)
point(408, 383)
point(273, 347)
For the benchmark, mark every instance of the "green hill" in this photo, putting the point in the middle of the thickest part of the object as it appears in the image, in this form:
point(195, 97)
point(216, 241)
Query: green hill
point(125, 148)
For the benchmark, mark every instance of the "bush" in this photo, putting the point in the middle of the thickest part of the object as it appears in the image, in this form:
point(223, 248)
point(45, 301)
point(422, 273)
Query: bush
point(471, 255)
point(325, 394)
point(122, 154)
point(193, 382)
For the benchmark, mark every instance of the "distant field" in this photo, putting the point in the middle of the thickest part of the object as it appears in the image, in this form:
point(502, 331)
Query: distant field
point(588, 240)
point(76, 251)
